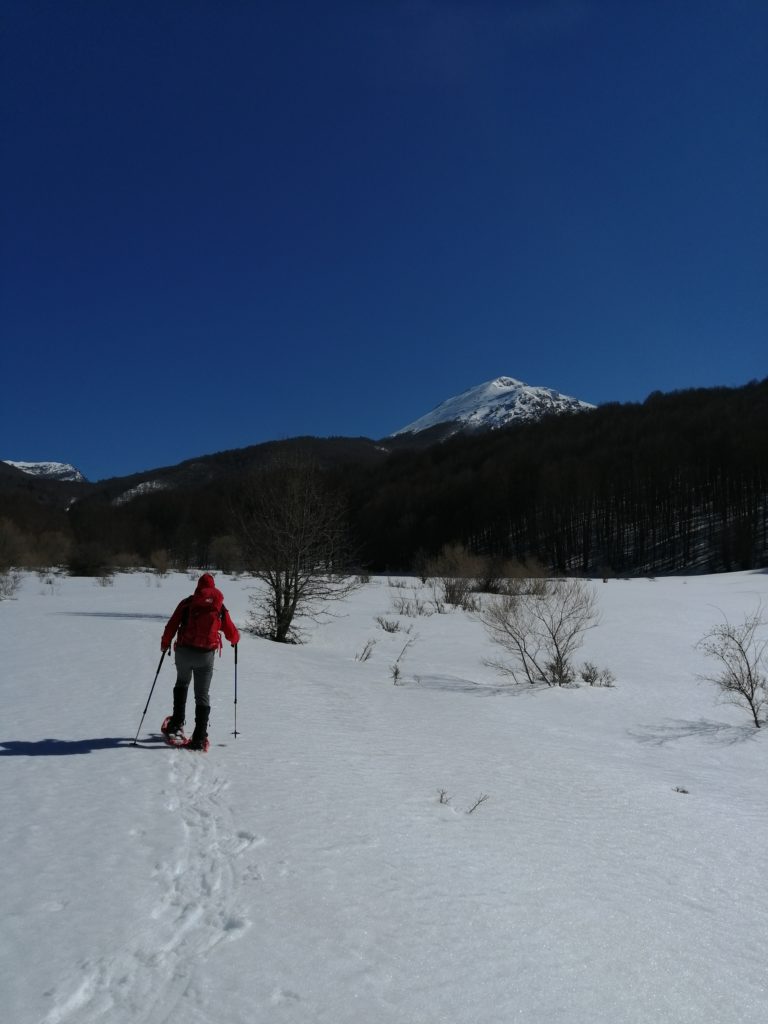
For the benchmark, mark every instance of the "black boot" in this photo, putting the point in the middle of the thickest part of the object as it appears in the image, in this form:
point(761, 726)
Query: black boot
point(176, 721)
point(199, 740)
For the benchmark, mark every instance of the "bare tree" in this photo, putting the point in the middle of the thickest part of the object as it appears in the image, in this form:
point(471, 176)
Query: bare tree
point(291, 531)
point(542, 626)
point(739, 655)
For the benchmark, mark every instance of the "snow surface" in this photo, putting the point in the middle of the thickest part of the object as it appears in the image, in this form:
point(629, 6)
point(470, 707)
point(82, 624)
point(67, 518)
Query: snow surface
point(308, 872)
point(147, 487)
point(495, 404)
point(49, 470)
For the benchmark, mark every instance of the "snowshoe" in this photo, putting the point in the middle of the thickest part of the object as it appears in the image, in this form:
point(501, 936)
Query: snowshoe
point(199, 738)
point(196, 743)
point(174, 735)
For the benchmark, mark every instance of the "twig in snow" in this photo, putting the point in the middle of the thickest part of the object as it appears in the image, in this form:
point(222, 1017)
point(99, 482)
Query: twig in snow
point(480, 800)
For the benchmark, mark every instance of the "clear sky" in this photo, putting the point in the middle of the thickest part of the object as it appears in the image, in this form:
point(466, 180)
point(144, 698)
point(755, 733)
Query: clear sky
point(234, 221)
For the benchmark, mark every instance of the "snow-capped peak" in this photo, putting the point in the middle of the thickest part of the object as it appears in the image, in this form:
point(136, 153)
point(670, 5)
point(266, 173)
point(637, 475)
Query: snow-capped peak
point(49, 470)
point(494, 404)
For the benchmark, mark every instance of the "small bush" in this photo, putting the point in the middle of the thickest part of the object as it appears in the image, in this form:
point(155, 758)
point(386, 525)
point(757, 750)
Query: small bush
point(542, 628)
point(478, 803)
point(10, 581)
point(366, 652)
point(595, 676)
point(395, 670)
point(412, 606)
point(396, 583)
point(458, 590)
point(225, 554)
point(160, 561)
point(455, 562)
point(738, 651)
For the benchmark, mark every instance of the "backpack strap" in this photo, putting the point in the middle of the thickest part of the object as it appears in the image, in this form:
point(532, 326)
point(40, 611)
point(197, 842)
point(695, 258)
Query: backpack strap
point(184, 614)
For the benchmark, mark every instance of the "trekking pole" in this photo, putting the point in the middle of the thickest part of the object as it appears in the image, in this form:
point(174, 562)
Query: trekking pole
point(149, 698)
point(235, 732)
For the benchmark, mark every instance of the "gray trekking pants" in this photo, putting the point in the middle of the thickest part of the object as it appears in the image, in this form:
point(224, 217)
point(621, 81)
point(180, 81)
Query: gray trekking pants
point(189, 662)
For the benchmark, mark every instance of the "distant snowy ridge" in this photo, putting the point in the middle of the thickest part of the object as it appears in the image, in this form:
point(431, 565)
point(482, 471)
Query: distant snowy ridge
point(495, 404)
point(49, 470)
point(147, 487)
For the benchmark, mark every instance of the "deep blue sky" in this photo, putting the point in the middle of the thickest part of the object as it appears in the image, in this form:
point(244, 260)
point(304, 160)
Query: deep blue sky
point(228, 222)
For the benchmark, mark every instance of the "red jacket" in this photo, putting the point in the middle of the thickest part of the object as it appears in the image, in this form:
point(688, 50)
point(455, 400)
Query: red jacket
point(186, 622)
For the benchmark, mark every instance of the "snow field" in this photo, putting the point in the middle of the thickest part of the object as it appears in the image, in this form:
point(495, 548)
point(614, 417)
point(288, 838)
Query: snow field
point(309, 872)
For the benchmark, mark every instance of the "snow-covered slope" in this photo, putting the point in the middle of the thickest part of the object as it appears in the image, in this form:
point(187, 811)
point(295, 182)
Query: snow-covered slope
point(308, 872)
point(147, 487)
point(49, 470)
point(495, 404)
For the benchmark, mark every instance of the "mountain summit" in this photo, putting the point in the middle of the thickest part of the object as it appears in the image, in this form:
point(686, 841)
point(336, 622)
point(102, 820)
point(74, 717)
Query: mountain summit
point(497, 403)
point(48, 470)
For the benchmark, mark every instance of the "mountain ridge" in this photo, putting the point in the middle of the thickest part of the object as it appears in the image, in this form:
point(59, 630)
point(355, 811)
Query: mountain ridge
point(63, 471)
point(494, 404)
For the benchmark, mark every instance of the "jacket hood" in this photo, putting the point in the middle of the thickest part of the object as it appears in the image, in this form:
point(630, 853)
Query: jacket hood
point(206, 582)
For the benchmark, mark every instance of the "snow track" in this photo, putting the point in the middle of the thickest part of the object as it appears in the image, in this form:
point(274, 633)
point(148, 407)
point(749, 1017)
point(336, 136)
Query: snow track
point(155, 977)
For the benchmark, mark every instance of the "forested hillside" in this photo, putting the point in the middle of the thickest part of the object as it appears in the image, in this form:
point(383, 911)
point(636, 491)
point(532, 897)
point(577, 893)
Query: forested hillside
point(676, 483)
point(679, 482)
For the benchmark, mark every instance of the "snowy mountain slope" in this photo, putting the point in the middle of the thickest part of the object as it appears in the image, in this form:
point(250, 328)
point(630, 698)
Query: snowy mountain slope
point(49, 470)
point(308, 872)
point(495, 403)
point(146, 487)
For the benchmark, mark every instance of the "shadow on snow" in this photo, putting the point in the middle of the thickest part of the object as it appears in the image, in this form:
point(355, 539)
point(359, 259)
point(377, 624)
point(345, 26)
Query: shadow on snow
point(714, 732)
point(455, 684)
point(60, 748)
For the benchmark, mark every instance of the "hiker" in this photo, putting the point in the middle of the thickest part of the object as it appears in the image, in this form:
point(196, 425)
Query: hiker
point(199, 621)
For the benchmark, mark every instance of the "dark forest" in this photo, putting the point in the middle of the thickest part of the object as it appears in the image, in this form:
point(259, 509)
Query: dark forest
point(675, 484)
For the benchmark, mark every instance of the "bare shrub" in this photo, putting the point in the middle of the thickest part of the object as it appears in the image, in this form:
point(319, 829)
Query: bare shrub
point(395, 670)
point(13, 546)
point(454, 572)
point(508, 576)
point(455, 562)
point(594, 676)
point(388, 625)
point(739, 656)
point(367, 651)
point(412, 606)
point(160, 561)
point(478, 803)
point(542, 628)
point(10, 581)
point(458, 591)
point(125, 561)
point(530, 578)
point(225, 553)
point(48, 549)
point(291, 528)
point(396, 583)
